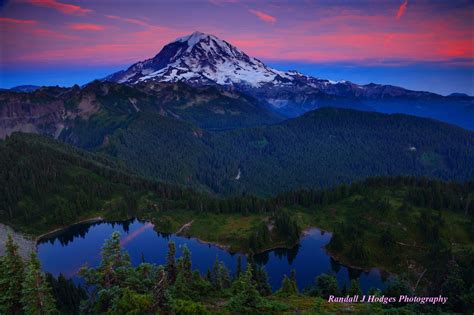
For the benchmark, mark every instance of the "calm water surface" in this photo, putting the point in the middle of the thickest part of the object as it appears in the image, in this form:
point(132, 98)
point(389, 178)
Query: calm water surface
point(68, 250)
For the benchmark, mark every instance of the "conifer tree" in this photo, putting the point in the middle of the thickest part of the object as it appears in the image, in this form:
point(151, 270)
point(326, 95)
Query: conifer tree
point(159, 288)
point(224, 276)
point(11, 278)
point(185, 264)
point(114, 261)
point(246, 298)
point(37, 298)
point(171, 262)
point(354, 288)
point(215, 274)
point(288, 285)
point(294, 284)
point(260, 277)
point(326, 285)
point(239, 266)
point(109, 278)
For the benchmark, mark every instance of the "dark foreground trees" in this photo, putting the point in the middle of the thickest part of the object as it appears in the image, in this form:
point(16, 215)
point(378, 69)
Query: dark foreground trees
point(24, 289)
point(115, 286)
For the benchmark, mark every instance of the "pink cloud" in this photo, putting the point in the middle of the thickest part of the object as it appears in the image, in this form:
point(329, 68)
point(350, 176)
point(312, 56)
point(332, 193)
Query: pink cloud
point(329, 34)
point(59, 6)
point(16, 21)
point(86, 27)
point(263, 16)
point(402, 9)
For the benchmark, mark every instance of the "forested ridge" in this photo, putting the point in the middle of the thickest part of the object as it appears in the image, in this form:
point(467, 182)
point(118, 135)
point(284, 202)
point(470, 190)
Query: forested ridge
point(226, 143)
point(43, 177)
point(53, 184)
point(322, 148)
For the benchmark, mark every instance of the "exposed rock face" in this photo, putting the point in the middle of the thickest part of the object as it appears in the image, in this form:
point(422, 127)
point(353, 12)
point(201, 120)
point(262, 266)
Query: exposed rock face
point(106, 106)
point(19, 112)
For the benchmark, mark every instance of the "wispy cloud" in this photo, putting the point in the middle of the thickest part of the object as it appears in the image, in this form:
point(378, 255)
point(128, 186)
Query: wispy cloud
point(263, 16)
point(86, 27)
point(128, 20)
point(16, 21)
point(402, 9)
point(60, 6)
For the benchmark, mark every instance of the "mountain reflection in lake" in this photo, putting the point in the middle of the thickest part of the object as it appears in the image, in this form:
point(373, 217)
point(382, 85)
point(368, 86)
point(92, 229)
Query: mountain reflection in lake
point(68, 250)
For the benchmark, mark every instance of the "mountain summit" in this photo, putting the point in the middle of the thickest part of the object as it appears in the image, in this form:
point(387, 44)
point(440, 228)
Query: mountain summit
point(201, 59)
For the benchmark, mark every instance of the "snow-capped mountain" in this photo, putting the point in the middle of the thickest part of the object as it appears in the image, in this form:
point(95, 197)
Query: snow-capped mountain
point(201, 59)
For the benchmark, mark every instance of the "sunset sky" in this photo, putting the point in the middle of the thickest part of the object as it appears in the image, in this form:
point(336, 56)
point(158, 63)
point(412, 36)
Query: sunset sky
point(422, 45)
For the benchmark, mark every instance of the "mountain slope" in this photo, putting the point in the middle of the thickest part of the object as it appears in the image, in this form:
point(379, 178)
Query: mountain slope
point(202, 59)
point(45, 184)
point(322, 148)
point(107, 106)
point(177, 133)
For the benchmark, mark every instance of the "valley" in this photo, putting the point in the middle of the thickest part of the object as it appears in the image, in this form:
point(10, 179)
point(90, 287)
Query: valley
point(383, 213)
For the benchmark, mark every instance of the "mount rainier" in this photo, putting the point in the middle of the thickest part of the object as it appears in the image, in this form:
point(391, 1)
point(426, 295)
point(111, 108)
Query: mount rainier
point(201, 59)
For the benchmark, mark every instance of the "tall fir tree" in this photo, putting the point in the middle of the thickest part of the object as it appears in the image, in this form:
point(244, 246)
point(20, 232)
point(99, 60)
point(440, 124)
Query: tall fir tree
point(354, 289)
point(288, 285)
point(171, 268)
point(106, 281)
point(246, 299)
point(260, 277)
point(11, 278)
point(185, 264)
point(37, 298)
point(239, 266)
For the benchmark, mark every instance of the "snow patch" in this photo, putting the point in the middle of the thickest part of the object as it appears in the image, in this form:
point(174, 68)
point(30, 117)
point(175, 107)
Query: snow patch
point(238, 175)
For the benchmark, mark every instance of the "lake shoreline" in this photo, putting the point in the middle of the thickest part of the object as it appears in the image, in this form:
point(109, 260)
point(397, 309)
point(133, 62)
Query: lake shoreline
point(26, 243)
point(60, 229)
point(225, 247)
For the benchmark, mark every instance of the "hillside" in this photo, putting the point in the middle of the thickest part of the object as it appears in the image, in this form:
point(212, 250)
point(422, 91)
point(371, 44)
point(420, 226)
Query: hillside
point(105, 107)
point(46, 184)
point(322, 148)
point(226, 143)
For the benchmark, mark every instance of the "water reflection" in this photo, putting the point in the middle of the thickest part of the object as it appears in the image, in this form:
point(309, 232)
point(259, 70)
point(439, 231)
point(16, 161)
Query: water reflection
point(66, 251)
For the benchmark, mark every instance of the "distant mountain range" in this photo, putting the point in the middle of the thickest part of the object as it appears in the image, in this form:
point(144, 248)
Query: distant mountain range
point(22, 88)
point(202, 59)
